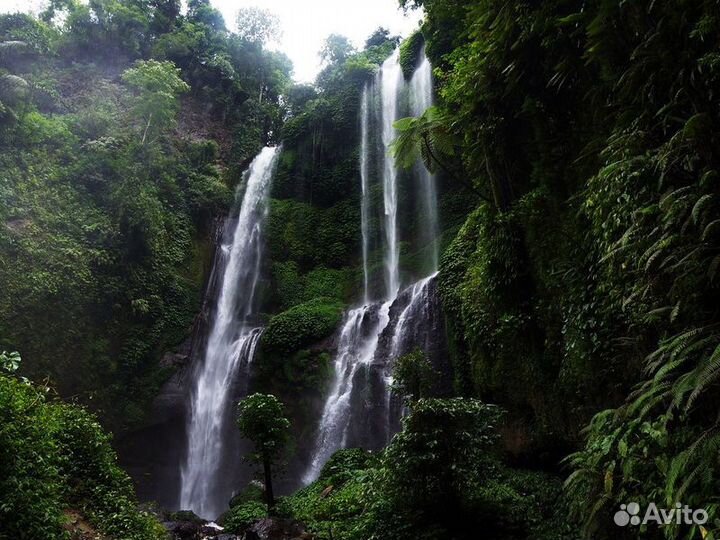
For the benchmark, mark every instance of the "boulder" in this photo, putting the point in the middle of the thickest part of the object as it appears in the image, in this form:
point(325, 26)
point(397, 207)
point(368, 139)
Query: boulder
point(277, 529)
point(183, 530)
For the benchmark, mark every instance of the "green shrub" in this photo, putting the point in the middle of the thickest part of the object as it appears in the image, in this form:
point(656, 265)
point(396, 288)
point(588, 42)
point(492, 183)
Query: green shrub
point(31, 486)
point(302, 325)
point(343, 463)
point(240, 517)
point(253, 492)
point(56, 457)
point(93, 480)
point(335, 506)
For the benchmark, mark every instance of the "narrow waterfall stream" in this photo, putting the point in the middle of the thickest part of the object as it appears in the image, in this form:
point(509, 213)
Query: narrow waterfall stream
point(365, 112)
point(421, 98)
point(359, 409)
point(391, 82)
point(231, 344)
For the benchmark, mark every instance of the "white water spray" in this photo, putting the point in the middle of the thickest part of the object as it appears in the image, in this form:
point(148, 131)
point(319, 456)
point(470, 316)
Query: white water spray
point(357, 362)
point(391, 80)
point(365, 184)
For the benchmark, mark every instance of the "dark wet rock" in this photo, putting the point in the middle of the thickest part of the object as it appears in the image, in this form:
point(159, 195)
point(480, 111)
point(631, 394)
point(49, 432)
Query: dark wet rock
point(183, 530)
point(185, 525)
point(185, 515)
point(277, 529)
point(174, 360)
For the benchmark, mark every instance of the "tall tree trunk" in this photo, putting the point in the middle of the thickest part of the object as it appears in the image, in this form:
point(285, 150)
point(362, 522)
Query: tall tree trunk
point(269, 495)
point(146, 129)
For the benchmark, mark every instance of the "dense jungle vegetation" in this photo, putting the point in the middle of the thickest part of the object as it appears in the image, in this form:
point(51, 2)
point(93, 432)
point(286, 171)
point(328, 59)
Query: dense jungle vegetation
point(576, 144)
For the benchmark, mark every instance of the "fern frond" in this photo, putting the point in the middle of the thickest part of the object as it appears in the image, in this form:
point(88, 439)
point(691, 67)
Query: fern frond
point(700, 205)
point(707, 377)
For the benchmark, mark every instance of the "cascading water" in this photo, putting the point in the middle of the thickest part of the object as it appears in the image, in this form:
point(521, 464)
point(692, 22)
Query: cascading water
point(356, 349)
point(421, 99)
point(363, 326)
point(365, 184)
point(391, 81)
point(230, 346)
point(416, 314)
point(416, 309)
point(359, 410)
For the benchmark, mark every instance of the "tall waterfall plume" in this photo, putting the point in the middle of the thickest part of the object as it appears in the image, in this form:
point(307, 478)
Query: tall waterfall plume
point(230, 345)
point(391, 81)
point(359, 410)
point(363, 325)
point(421, 99)
point(365, 113)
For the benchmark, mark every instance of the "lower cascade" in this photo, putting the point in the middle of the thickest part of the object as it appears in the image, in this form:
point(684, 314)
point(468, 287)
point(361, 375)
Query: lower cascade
point(230, 347)
point(356, 350)
point(361, 410)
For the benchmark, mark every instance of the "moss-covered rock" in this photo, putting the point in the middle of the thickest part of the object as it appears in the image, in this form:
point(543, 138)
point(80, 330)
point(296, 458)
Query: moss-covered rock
point(312, 236)
point(302, 325)
point(410, 52)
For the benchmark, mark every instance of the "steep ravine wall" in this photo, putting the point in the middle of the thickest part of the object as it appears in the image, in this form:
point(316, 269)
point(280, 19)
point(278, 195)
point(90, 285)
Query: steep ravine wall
point(312, 272)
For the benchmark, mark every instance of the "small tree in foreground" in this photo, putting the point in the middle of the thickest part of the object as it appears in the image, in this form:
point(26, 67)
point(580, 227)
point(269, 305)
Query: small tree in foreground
point(261, 420)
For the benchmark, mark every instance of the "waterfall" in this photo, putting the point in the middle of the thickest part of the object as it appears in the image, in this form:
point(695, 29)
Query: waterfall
point(230, 346)
point(356, 350)
point(391, 81)
point(421, 98)
point(404, 335)
point(363, 326)
point(365, 184)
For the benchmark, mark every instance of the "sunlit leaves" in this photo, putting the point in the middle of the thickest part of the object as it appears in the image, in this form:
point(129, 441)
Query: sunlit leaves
point(159, 86)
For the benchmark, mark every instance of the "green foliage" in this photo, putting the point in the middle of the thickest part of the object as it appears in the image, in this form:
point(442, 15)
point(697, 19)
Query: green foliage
point(159, 85)
point(414, 376)
point(293, 288)
point(9, 361)
point(301, 326)
point(335, 506)
point(56, 457)
point(109, 184)
point(103, 28)
point(288, 233)
point(426, 137)
point(240, 517)
point(336, 49)
point(592, 128)
point(314, 242)
point(380, 37)
point(30, 483)
point(441, 451)
point(253, 492)
point(410, 50)
point(261, 420)
point(439, 478)
point(94, 481)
